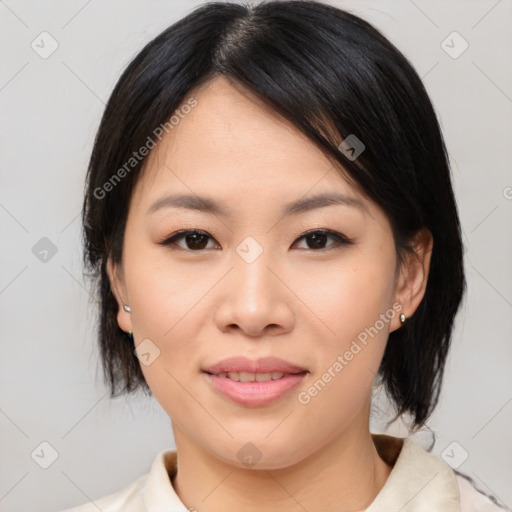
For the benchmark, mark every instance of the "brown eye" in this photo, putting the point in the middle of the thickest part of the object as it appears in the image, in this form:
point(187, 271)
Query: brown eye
point(317, 239)
point(195, 240)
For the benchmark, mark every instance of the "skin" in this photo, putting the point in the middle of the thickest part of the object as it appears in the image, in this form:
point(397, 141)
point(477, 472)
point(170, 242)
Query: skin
point(294, 301)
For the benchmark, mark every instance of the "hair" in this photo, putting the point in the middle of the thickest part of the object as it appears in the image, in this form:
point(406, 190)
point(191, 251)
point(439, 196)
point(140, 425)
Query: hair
point(331, 74)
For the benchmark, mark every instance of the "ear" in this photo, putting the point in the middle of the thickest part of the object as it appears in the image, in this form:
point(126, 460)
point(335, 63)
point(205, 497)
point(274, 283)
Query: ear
point(117, 286)
point(413, 276)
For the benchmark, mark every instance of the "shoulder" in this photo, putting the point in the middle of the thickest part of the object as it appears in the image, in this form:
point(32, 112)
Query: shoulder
point(152, 490)
point(129, 498)
point(472, 499)
point(416, 467)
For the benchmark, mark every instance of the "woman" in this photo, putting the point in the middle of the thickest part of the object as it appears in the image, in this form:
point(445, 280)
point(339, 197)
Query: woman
point(270, 219)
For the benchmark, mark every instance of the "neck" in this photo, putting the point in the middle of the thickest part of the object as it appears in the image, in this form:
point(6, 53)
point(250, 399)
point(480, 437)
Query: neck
point(344, 475)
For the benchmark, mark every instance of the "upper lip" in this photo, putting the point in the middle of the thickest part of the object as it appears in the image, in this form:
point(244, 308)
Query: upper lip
point(262, 365)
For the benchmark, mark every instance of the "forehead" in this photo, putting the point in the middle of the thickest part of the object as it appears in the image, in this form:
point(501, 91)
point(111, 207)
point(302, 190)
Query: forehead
point(231, 146)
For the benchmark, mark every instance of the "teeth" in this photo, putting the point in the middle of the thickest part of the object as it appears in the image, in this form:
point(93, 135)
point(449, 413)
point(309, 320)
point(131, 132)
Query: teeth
point(234, 376)
point(251, 377)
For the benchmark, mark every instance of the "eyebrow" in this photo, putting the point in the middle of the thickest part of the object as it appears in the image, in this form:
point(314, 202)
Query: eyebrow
point(208, 205)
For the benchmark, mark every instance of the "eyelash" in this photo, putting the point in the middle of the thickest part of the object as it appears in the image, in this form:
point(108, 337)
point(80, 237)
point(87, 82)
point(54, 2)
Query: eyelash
point(341, 240)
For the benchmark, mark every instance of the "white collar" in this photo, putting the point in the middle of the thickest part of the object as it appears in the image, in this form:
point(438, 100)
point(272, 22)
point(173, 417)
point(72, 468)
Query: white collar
point(419, 481)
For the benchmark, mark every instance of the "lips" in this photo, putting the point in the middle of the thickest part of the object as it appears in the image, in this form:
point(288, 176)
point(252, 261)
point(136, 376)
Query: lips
point(255, 394)
point(254, 383)
point(243, 365)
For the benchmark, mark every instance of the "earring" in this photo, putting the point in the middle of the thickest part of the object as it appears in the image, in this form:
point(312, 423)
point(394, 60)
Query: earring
point(127, 308)
point(130, 334)
point(403, 318)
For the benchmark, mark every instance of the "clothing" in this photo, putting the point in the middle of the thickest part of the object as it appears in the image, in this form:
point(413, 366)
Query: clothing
point(419, 482)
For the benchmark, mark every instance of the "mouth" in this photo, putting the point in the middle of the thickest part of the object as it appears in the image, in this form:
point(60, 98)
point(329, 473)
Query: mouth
point(254, 376)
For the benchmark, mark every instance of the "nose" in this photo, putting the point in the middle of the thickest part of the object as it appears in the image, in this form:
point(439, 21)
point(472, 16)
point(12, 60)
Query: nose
point(255, 299)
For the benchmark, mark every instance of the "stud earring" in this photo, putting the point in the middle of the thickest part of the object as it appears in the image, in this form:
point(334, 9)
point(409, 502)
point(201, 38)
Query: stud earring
point(403, 318)
point(127, 308)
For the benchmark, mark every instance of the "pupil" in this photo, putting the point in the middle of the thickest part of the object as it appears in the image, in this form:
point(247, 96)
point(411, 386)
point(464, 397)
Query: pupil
point(316, 237)
point(194, 238)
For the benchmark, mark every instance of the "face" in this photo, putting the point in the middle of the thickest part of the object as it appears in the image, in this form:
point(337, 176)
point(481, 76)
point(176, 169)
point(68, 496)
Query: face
point(314, 286)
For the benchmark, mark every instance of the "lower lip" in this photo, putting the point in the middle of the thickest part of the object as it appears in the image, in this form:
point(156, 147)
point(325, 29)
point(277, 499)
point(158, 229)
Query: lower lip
point(255, 393)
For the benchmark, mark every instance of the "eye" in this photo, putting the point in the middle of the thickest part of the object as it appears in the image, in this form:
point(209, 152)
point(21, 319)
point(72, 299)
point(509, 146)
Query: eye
point(197, 240)
point(317, 237)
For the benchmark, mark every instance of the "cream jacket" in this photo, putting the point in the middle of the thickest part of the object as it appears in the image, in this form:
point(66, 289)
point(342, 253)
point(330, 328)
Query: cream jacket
point(419, 482)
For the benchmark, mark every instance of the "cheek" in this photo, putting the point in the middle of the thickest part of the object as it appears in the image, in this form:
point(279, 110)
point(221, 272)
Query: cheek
point(164, 299)
point(355, 308)
point(350, 295)
point(350, 343)
point(162, 290)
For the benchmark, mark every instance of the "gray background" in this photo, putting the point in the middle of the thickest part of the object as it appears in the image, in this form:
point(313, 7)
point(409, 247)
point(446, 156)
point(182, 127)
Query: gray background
point(50, 384)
